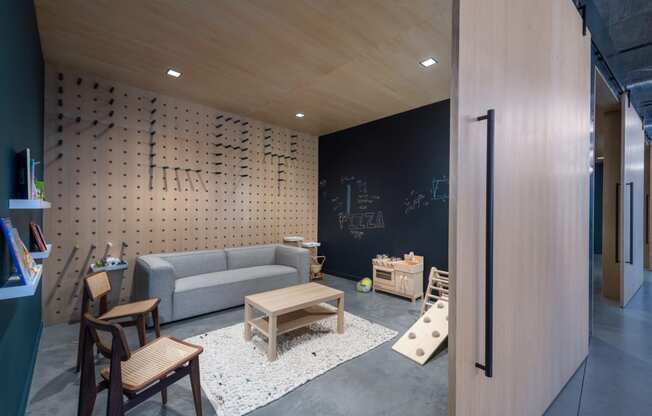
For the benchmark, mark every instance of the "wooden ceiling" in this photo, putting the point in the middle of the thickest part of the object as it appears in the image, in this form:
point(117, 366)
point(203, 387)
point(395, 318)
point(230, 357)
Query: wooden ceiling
point(341, 62)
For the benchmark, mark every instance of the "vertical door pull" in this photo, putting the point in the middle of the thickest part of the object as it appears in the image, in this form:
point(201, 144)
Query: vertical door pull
point(487, 367)
point(617, 245)
point(631, 222)
point(647, 219)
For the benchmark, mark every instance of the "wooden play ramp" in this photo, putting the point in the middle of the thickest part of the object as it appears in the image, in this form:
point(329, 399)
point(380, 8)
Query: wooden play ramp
point(426, 335)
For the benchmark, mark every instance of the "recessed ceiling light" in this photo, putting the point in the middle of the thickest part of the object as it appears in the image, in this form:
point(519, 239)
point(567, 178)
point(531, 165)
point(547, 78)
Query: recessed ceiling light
point(300, 115)
point(173, 73)
point(429, 62)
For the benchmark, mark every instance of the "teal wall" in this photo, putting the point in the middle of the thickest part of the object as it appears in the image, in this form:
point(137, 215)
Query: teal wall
point(21, 126)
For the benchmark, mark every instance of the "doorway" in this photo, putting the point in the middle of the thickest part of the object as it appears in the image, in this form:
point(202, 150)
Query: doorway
point(608, 180)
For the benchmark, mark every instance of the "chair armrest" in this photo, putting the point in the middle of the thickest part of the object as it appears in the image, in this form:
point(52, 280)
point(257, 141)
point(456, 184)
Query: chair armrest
point(296, 257)
point(154, 278)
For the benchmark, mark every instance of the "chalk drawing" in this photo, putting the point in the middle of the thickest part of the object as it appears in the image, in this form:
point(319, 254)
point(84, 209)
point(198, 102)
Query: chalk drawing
point(357, 234)
point(438, 192)
point(348, 199)
point(413, 201)
point(440, 189)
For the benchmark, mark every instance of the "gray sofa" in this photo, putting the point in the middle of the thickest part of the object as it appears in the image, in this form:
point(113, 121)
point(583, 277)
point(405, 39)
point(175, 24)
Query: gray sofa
point(198, 282)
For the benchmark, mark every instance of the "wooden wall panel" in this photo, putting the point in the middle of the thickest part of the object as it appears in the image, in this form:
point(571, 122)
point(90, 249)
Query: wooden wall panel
point(608, 132)
point(528, 60)
point(200, 190)
point(633, 151)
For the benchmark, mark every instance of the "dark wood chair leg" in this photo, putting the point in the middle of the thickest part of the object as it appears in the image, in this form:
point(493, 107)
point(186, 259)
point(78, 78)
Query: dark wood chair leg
point(87, 386)
point(195, 384)
point(80, 346)
point(115, 401)
point(140, 323)
point(157, 322)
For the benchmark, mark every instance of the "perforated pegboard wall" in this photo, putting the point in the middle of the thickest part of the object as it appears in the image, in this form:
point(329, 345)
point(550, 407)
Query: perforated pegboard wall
point(151, 173)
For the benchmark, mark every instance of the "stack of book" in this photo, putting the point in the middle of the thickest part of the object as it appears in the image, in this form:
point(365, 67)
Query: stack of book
point(26, 268)
point(26, 185)
point(38, 240)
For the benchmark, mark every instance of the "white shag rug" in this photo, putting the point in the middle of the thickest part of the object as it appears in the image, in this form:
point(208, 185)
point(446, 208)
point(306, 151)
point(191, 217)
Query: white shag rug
point(237, 377)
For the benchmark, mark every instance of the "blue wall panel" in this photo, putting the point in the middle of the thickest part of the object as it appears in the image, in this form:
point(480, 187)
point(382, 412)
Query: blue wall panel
point(21, 126)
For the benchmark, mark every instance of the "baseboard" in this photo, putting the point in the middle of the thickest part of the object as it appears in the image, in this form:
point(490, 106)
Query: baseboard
point(342, 274)
point(28, 382)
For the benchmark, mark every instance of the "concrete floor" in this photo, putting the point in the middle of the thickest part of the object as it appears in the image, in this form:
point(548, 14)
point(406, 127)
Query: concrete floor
point(615, 378)
point(380, 382)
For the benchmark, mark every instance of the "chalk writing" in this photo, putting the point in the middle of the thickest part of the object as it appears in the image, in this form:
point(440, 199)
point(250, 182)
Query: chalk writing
point(362, 221)
point(440, 189)
point(438, 192)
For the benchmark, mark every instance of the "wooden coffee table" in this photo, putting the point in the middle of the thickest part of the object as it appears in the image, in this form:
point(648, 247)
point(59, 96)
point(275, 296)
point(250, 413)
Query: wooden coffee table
point(291, 308)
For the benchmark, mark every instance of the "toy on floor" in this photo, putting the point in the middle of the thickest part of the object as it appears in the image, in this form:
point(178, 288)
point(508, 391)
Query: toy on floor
point(364, 285)
point(425, 336)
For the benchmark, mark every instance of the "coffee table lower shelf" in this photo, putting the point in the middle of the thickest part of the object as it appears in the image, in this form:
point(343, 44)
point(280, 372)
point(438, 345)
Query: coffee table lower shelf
point(294, 320)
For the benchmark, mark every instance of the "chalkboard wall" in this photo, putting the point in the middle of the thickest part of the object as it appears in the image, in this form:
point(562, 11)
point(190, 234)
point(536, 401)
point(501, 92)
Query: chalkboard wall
point(383, 189)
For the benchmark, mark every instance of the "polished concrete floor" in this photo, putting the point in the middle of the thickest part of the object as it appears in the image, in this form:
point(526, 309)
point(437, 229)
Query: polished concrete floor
point(380, 382)
point(616, 378)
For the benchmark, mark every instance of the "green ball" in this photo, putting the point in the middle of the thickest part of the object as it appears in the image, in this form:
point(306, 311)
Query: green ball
point(364, 285)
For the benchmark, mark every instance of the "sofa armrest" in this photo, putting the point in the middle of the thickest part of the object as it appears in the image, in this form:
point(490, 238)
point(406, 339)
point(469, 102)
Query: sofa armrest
point(296, 257)
point(154, 278)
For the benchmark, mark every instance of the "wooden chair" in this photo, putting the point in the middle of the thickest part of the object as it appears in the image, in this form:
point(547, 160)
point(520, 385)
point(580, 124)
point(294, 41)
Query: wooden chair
point(137, 375)
point(98, 286)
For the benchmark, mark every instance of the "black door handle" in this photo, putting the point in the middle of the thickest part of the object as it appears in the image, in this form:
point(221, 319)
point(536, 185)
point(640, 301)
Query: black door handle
point(487, 367)
point(617, 222)
point(631, 222)
point(647, 219)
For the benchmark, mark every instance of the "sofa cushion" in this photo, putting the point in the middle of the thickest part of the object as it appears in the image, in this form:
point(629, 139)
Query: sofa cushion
point(241, 257)
point(211, 292)
point(195, 263)
point(231, 276)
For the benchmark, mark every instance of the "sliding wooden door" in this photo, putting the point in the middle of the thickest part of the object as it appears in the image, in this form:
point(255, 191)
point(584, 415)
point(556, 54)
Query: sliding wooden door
point(632, 201)
point(528, 61)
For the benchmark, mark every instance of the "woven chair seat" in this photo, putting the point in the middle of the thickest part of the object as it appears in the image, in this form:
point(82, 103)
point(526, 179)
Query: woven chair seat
point(130, 309)
point(153, 362)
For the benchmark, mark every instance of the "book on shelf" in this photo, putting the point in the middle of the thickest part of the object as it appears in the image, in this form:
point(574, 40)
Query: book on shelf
point(26, 186)
point(26, 267)
point(38, 241)
point(23, 179)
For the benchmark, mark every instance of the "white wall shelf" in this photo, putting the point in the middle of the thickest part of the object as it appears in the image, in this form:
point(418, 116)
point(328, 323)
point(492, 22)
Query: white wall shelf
point(39, 255)
point(13, 288)
point(28, 204)
point(123, 266)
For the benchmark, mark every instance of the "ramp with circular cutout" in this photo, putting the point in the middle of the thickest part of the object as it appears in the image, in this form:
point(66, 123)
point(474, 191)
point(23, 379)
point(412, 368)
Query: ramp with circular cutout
point(425, 336)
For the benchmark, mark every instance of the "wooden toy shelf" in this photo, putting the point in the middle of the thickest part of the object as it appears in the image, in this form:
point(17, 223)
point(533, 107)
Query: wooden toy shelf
point(13, 289)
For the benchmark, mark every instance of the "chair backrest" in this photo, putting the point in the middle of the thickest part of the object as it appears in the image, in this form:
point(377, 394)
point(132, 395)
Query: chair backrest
point(98, 285)
point(119, 349)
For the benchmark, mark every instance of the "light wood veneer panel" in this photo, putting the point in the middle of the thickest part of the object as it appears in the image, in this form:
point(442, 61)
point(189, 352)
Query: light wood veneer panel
point(528, 60)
